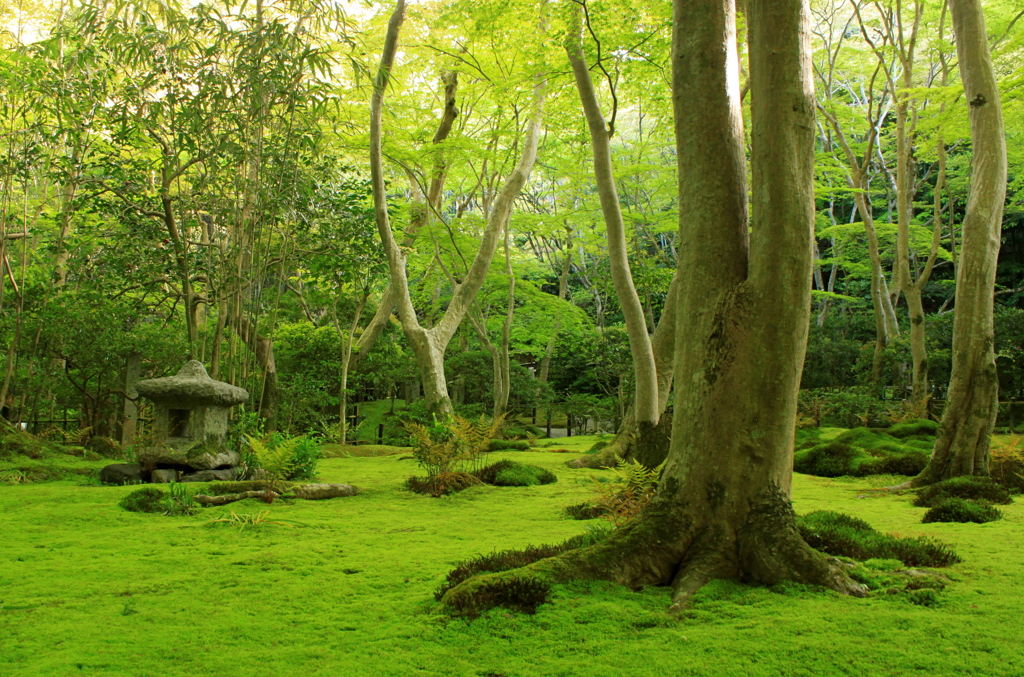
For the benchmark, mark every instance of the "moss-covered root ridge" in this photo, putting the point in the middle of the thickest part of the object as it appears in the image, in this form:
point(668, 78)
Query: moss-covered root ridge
point(666, 545)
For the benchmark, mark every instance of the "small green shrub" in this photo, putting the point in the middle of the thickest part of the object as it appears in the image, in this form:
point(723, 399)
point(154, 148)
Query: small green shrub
point(842, 535)
point(1006, 463)
point(962, 510)
point(180, 501)
point(508, 473)
point(920, 426)
point(967, 487)
point(146, 499)
point(924, 597)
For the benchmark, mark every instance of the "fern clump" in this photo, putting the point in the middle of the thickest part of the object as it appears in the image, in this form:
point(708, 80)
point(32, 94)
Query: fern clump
point(633, 488)
point(449, 452)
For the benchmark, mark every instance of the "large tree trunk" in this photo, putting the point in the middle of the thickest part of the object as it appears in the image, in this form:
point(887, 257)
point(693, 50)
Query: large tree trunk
point(645, 401)
point(722, 506)
point(962, 446)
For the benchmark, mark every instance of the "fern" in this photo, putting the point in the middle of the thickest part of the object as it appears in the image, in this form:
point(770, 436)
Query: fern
point(632, 490)
point(276, 462)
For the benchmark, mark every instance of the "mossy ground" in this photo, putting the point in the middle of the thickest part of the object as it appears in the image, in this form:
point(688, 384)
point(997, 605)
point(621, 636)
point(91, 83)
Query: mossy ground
point(88, 588)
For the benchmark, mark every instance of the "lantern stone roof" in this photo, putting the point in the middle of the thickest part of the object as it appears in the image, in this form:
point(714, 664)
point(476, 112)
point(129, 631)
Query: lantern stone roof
point(191, 387)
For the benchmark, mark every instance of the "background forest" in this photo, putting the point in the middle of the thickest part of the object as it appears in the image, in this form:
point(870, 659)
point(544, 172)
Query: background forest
point(191, 180)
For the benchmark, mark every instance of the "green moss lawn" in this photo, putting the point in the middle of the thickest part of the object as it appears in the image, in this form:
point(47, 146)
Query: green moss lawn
point(89, 589)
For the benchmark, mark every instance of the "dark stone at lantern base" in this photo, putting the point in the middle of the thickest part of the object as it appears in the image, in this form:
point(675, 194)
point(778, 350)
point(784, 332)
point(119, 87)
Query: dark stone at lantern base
point(222, 474)
point(121, 473)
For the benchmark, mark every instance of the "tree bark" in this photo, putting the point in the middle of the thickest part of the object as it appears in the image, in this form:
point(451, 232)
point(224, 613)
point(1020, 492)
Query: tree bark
point(722, 505)
point(420, 218)
point(962, 445)
point(646, 397)
point(429, 345)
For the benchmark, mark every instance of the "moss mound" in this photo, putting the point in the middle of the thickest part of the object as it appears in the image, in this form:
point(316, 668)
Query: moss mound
point(583, 511)
point(910, 463)
point(842, 535)
point(865, 451)
point(832, 459)
point(104, 446)
point(504, 445)
point(441, 484)
point(917, 427)
point(147, 499)
point(512, 474)
point(970, 488)
point(15, 442)
point(962, 510)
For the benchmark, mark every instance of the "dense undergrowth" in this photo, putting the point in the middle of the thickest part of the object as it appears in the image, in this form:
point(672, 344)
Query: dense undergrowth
point(89, 588)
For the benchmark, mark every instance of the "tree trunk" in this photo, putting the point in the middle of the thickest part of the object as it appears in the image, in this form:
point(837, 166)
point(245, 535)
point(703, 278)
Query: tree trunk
point(722, 506)
point(962, 446)
point(133, 369)
point(420, 218)
point(345, 361)
point(504, 365)
point(646, 398)
point(263, 348)
point(628, 444)
point(429, 345)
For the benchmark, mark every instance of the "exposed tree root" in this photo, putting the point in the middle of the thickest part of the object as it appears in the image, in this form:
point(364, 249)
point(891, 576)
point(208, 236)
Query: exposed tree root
point(664, 546)
point(771, 550)
point(225, 499)
point(643, 442)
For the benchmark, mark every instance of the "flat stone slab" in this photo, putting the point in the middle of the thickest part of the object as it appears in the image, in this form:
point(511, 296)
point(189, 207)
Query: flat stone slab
point(222, 475)
point(191, 387)
point(317, 492)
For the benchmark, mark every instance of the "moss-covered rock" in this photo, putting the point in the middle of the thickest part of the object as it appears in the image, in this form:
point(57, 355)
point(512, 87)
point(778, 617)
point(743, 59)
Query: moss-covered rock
point(441, 484)
point(831, 459)
point(583, 511)
point(504, 445)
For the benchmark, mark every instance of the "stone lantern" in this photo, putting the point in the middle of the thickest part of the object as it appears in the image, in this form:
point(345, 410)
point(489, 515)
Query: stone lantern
point(191, 424)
